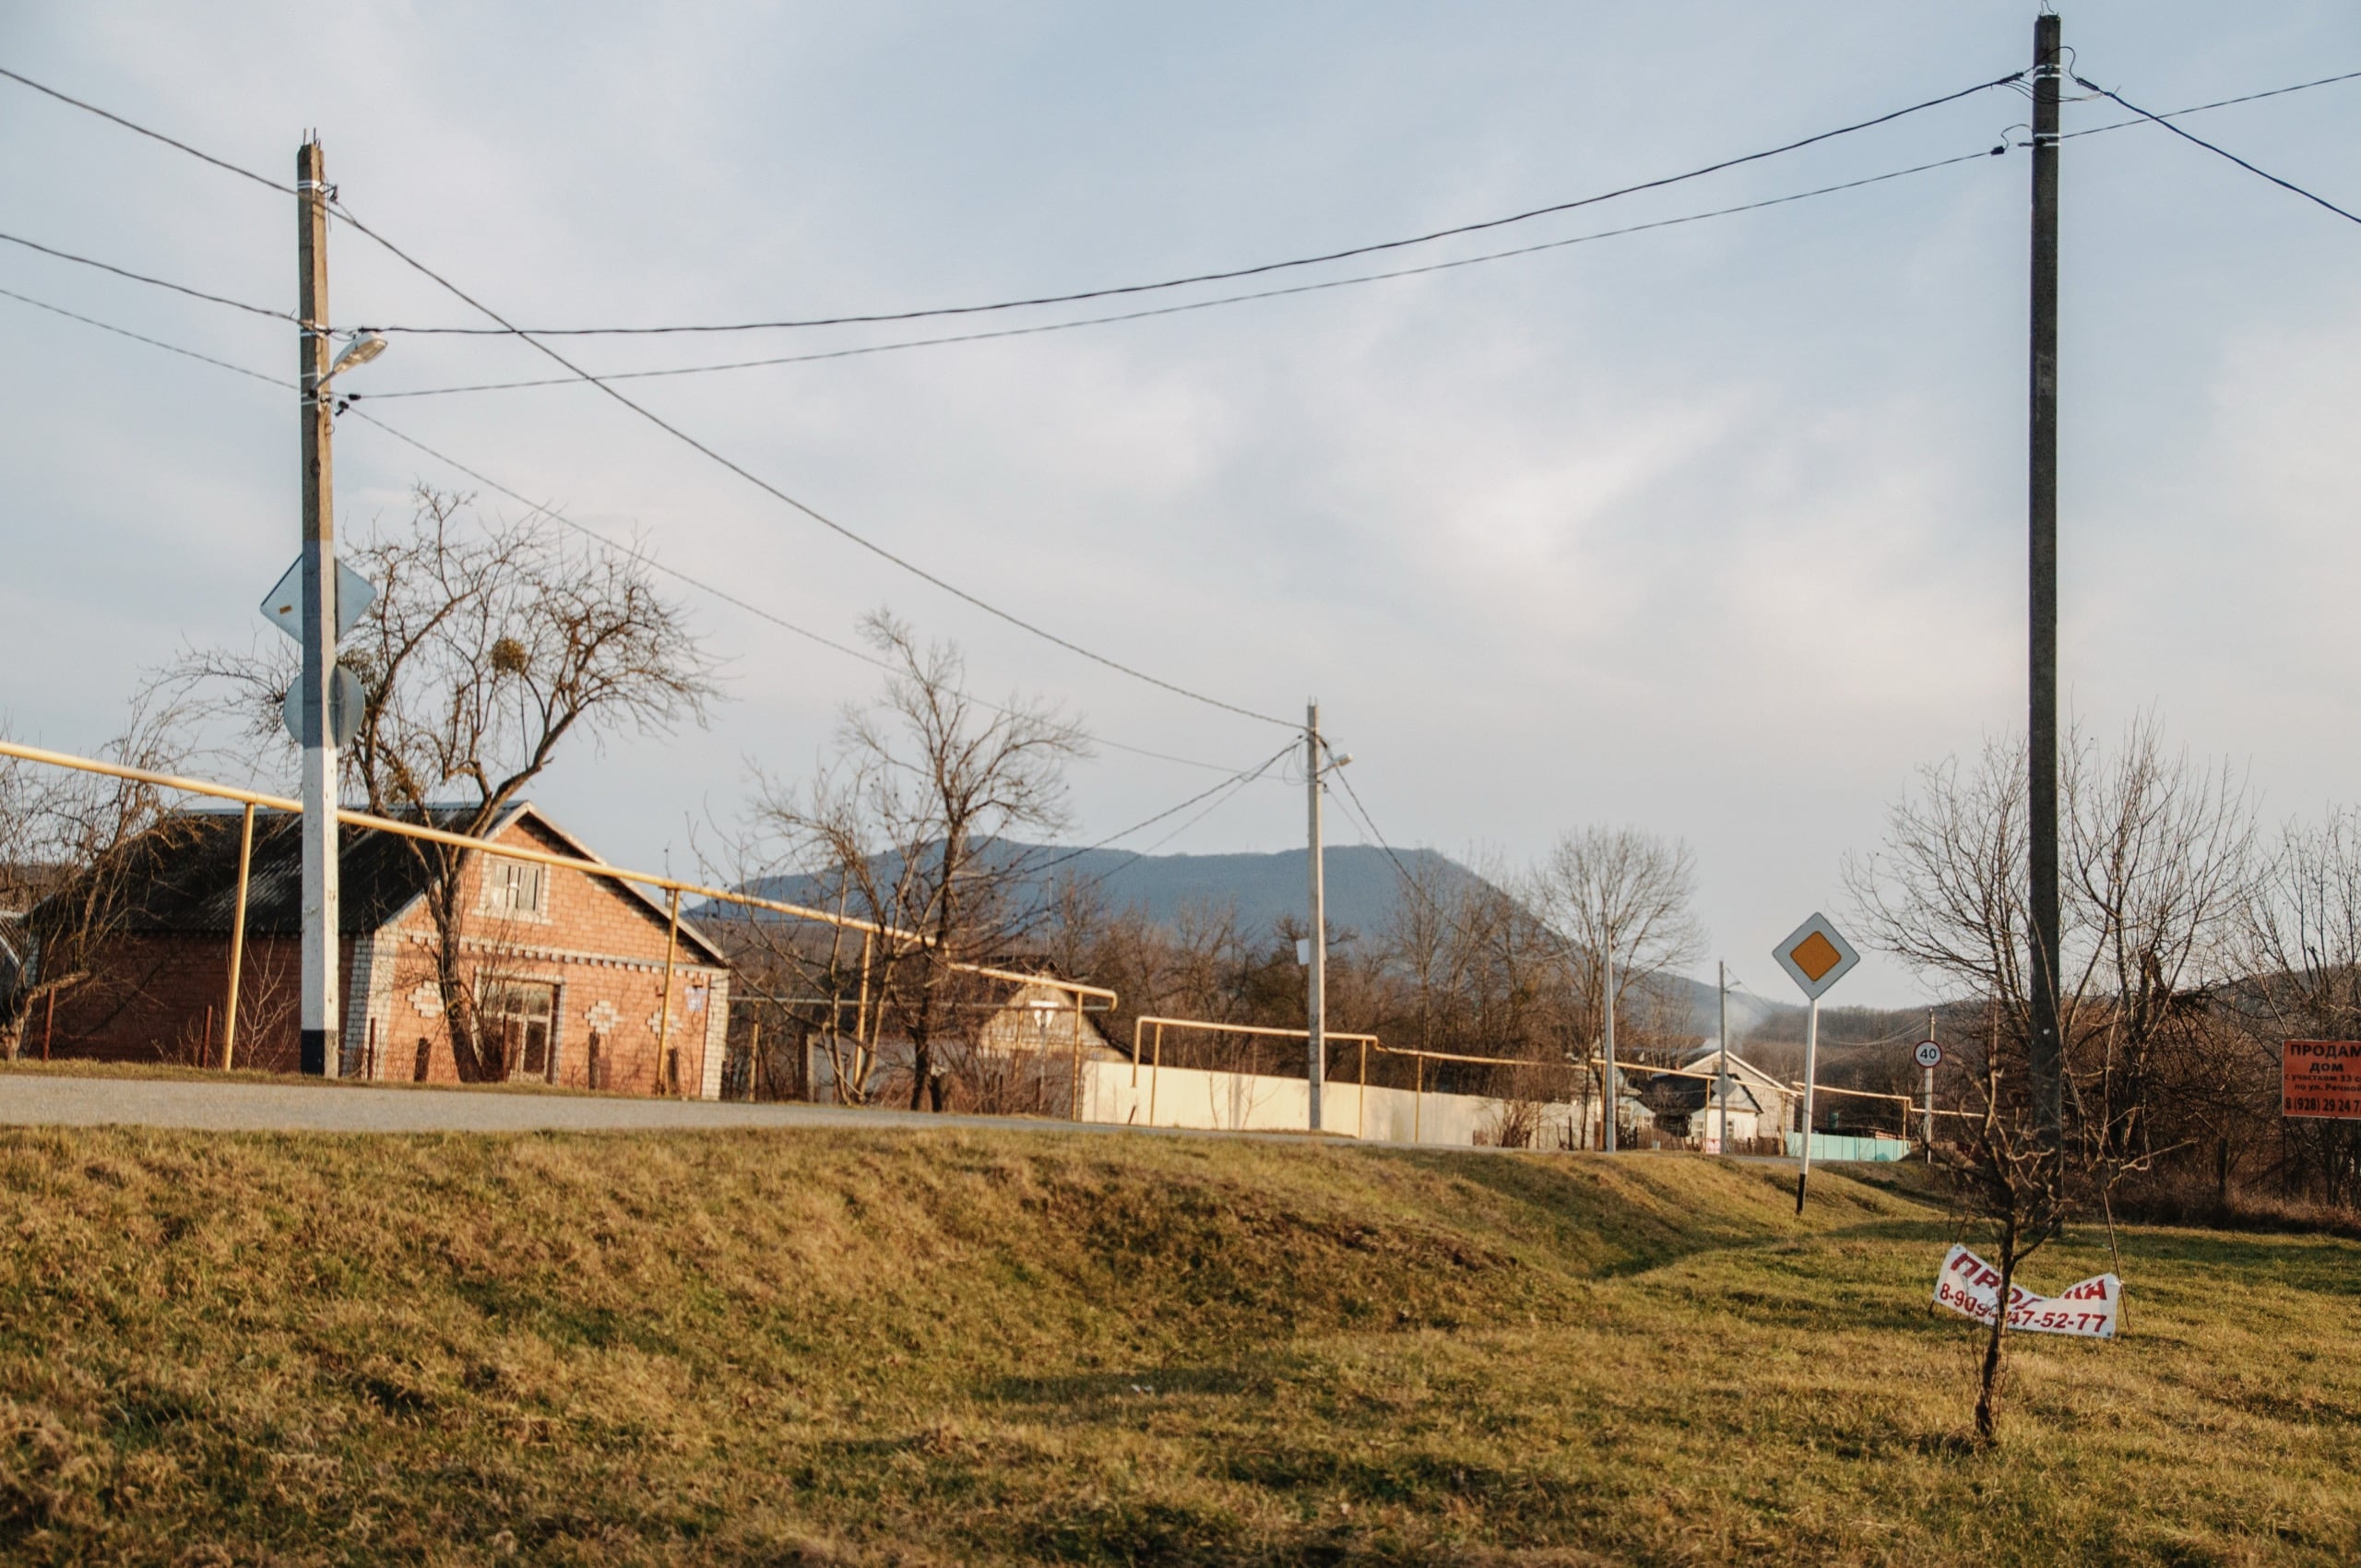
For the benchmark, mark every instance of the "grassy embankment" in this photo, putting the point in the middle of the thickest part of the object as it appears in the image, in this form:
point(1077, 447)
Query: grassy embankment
point(767, 1347)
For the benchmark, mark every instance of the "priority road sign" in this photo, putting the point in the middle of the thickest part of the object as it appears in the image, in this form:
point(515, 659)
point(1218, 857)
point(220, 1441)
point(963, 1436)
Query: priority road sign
point(1816, 955)
point(284, 608)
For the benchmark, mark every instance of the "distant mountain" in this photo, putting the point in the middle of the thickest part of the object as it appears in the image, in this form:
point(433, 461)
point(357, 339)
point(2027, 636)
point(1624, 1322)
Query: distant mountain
point(1363, 891)
point(1363, 888)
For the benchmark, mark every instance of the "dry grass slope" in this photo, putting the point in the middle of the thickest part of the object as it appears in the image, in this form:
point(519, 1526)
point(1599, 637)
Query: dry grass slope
point(765, 1348)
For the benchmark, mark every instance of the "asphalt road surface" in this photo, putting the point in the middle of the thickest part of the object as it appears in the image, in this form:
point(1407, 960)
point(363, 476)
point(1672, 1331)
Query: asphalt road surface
point(30, 1099)
point(42, 1099)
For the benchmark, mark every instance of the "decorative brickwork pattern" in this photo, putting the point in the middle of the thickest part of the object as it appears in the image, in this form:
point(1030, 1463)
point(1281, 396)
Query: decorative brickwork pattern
point(600, 945)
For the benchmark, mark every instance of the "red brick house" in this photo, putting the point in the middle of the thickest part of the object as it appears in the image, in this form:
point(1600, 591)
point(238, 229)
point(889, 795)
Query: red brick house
point(567, 969)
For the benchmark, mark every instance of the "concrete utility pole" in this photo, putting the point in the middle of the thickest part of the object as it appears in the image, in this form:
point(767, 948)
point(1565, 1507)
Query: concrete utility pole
point(320, 1002)
point(1722, 1074)
point(1316, 968)
point(1607, 1048)
point(2046, 1058)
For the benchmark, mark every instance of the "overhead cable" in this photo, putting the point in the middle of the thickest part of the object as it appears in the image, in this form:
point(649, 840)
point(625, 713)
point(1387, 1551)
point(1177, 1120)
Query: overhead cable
point(807, 510)
point(1235, 781)
point(140, 129)
point(556, 516)
point(1408, 881)
point(1200, 305)
point(144, 278)
point(2221, 152)
point(141, 338)
point(2201, 108)
point(1258, 269)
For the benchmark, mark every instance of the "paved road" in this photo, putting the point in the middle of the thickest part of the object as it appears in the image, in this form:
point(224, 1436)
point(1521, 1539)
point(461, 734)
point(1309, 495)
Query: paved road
point(30, 1099)
point(41, 1099)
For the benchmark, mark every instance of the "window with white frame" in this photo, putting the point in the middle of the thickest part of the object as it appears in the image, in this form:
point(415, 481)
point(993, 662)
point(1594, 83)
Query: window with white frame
point(515, 887)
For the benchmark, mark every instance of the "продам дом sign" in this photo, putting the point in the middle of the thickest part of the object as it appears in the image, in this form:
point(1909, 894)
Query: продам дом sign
point(1971, 1288)
point(2319, 1078)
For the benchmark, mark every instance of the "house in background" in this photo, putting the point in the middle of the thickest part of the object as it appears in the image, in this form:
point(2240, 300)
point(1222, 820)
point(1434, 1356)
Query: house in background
point(567, 969)
point(1760, 1108)
point(1021, 1054)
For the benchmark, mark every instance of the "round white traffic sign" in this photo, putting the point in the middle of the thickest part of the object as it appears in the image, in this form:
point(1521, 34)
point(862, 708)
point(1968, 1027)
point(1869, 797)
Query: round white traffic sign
point(1929, 1054)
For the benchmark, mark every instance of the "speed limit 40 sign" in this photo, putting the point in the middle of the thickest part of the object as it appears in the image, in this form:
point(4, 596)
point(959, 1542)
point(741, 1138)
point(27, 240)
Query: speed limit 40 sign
point(1928, 1054)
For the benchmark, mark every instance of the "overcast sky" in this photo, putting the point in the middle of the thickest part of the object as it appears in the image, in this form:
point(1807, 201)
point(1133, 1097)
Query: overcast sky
point(1716, 530)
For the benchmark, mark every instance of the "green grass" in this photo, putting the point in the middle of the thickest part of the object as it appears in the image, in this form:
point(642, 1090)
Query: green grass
point(943, 1348)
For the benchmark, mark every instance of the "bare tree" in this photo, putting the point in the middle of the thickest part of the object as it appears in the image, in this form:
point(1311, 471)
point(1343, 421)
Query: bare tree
point(71, 846)
point(2001, 1170)
point(1622, 894)
point(1476, 972)
point(2156, 883)
point(2302, 968)
point(490, 645)
point(2155, 887)
point(912, 819)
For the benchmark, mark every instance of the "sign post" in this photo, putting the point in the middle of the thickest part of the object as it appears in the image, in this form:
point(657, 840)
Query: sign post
point(1815, 955)
point(1928, 1055)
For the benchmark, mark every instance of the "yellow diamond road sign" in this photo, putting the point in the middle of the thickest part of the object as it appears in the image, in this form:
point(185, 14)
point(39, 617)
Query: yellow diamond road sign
point(1816, 955)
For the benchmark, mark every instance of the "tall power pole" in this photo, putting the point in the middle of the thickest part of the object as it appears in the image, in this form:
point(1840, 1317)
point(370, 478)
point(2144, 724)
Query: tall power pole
point(1316, 968)
point(320, 1004)
point(2046, 1057)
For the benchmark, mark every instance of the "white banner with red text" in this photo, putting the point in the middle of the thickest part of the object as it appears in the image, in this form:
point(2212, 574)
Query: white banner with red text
point(1971, 1288)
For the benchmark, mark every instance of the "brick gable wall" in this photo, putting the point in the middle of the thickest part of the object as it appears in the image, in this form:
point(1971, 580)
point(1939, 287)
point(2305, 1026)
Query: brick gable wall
point(602, 947)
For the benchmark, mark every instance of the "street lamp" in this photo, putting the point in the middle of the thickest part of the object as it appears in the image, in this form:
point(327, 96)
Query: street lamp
point(358, 349)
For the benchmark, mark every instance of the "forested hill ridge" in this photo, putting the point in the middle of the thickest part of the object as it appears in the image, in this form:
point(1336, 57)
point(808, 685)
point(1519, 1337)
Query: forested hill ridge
point(1363, 887)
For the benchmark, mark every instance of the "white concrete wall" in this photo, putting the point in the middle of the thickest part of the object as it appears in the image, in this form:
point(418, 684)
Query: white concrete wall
point(1193, 1097)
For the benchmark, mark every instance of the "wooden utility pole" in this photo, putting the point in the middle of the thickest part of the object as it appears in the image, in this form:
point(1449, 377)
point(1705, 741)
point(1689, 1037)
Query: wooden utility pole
point(1316, 964)
point(321, 1001)
point(2046, 1056)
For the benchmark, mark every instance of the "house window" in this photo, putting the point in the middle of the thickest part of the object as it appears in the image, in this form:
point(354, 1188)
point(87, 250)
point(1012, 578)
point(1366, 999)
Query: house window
point(516, 1016)
point(514, 887)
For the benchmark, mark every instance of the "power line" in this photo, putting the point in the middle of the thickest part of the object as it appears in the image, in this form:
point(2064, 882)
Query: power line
point(554, 515)
point(812, 512)
point(1202, 304)
point(1235, 782)
point(1232, 274)
point(2187, 136)
point(138, 129)
point(144, 278)
point(2013, 80)
point(151, 342)
point(544, 509)
point(2217, 103)
point(1370, 822)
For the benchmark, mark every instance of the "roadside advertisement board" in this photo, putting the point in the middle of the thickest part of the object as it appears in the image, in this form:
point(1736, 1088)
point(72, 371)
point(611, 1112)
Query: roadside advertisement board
point(2319, 1078)
point(1971, 1288)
